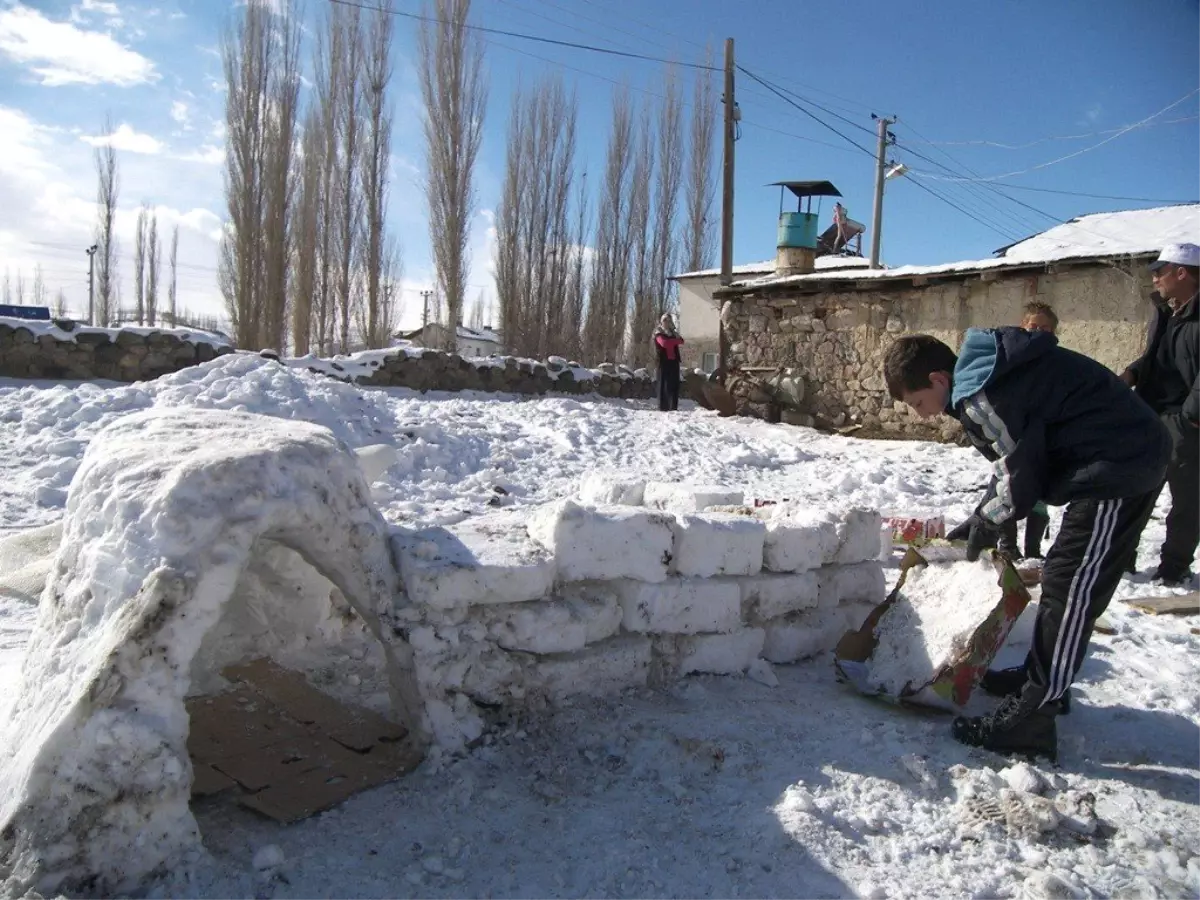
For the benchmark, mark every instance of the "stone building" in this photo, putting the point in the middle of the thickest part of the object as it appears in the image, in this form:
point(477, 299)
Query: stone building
point(833, 327)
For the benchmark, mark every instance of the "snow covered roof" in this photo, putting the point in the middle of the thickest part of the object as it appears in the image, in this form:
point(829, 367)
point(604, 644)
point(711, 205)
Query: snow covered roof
point(767, 267)
point(1138, 232)
point(39, 327)
point(487, 335)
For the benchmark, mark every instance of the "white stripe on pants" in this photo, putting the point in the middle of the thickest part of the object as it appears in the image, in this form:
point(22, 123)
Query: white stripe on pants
point(1079, 600)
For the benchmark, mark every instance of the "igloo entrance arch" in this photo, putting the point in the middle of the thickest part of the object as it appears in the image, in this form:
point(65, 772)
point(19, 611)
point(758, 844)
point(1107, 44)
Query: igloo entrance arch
point(173, 519)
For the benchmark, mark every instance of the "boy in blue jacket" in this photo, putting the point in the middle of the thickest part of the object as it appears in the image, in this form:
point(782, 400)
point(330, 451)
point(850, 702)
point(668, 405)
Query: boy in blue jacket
point(1060, 428)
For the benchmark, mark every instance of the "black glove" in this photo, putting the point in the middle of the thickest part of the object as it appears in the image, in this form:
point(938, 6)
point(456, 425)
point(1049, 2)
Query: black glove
point(980, 534)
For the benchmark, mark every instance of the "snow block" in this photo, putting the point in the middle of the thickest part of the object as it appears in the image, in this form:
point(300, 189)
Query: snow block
point(858, 536)
point(847, 584)
point(604, 542)
point(582, 614)
point(487, 559)
point(680, 606)
point(711, 544)
point(800, 635)
point(720, 654)
point(95, 776)
point(689, 497)
point(601, 488)
point(25, 560)
point(798, 539)
point(599, 670)
point(769, 596)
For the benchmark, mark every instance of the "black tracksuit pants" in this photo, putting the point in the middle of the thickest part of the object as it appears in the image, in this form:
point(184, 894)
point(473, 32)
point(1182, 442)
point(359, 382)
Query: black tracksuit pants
point(1079, 577)
point(668, 384)
point(1183, 478)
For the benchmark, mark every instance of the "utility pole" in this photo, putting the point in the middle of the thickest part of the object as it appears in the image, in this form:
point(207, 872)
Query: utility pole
point(727, 166)
point(731, 117)
point(880, 154)
point(425, 295)
point(91, 255)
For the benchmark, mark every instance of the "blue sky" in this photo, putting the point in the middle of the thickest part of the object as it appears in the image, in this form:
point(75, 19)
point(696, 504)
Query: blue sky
point(1047, 79)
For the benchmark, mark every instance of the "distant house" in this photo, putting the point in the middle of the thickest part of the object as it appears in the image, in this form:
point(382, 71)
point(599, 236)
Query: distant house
point(485, 341)
point(834, 327)
point(699, 313)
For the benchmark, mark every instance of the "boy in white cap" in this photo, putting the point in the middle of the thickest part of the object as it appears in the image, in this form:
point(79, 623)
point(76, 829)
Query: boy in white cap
point(1167, 377)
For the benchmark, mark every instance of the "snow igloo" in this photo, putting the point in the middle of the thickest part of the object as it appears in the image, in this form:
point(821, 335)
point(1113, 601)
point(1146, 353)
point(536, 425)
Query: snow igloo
point(194, 542)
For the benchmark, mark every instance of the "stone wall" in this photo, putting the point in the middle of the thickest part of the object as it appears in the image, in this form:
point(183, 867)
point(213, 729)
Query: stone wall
point(836, 338)
point(66, 349)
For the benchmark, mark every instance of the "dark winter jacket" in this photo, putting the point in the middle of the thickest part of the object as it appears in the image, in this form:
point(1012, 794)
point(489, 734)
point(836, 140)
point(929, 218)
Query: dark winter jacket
point(1058, 425)
point(1167, 375)
point(667, 344)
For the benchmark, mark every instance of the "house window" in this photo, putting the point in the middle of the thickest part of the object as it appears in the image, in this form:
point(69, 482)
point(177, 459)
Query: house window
point(709, 362)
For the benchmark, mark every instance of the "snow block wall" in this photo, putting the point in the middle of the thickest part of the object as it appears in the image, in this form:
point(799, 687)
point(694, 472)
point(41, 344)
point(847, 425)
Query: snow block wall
point(192, 539)
point(588, 597)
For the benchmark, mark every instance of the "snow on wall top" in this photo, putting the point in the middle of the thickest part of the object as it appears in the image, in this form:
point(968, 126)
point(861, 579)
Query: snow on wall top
point(768, 266)
point(1138, 232)
point(191, 335)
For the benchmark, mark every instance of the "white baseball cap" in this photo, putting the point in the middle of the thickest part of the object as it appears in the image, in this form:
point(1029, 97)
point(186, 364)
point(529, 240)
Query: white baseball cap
point(1178, 254)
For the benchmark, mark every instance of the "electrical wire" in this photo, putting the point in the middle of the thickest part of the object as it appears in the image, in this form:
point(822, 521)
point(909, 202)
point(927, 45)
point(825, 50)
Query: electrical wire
point(1056, 137)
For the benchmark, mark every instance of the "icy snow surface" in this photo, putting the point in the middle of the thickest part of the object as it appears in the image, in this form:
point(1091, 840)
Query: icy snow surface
point(938, 610)
point(721, 786)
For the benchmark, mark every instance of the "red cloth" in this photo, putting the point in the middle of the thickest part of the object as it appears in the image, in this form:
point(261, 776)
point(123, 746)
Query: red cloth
point(670, 345)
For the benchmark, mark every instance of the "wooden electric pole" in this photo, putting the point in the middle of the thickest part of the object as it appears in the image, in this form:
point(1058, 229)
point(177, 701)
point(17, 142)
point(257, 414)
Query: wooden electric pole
point(731, 117)
point(880, 154)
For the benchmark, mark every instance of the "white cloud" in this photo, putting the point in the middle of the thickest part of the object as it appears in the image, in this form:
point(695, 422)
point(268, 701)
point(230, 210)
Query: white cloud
point(125, 138)
point(208, 154)
point(181, 114)
point(110, 11)
point(60, 53)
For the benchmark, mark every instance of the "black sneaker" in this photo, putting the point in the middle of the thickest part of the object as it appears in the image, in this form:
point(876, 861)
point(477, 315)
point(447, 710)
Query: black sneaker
point(1172, 576)
point(1009, 682)
point(1014, 728)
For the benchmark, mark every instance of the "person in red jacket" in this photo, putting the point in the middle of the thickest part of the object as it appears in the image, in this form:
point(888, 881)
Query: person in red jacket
point(667, 343)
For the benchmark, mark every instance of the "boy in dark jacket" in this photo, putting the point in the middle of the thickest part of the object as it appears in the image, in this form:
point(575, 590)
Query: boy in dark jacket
point(1062, 428)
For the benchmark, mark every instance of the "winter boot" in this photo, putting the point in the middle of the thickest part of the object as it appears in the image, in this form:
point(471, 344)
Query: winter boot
point(1035, 528)
point(1017, 727)
point(1172, 576)
point(1010, 683)
point(1007, 545)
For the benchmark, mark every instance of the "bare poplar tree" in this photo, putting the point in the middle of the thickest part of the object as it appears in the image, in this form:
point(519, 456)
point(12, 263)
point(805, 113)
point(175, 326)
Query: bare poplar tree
point(139, 265)
point(260, 57)
point(347, 181)
point(641, 321)
point(575, 300)
point(172, 289)
point(329, 67)
point(305, 297)
point(476, 320)
point(609, 286)
point(20, 290)
point(376, 152)
point(105, 261)
point(701, 241)
point(39, 287)
point(455, 96)
point(664, 241)
point(60, 305)
point(153, 258)
point(533, 223)
point(282, 105)
point(6, 292)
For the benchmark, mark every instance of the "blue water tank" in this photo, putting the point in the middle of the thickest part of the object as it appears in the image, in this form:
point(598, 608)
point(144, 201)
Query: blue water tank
point(798, 229)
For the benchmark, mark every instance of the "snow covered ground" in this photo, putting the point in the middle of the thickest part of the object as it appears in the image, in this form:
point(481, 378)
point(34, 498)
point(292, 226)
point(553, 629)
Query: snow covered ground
point(720, 786)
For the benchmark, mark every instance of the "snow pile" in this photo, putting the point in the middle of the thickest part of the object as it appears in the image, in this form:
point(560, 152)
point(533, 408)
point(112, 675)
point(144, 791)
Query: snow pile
point(931, 622)
point(527, 607)
point(165, 515)
point(25, 559)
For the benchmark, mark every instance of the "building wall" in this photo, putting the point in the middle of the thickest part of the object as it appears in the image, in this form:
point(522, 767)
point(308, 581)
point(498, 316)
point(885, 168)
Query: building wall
point(837, 340)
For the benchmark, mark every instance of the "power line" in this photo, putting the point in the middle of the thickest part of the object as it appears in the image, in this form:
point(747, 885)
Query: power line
point(1053, 162)
point(1022, 187)
point(533, 37)
point(1056, 137)
point(779, 93)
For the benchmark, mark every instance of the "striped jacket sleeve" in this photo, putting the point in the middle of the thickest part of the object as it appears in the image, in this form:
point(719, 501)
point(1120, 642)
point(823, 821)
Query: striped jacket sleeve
point(1016, 445)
